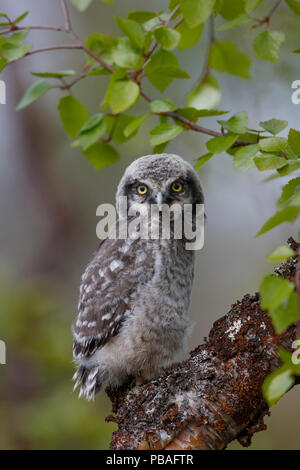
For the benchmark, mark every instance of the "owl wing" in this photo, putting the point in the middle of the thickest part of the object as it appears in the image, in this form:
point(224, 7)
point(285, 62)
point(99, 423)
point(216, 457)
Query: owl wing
point(108, 290)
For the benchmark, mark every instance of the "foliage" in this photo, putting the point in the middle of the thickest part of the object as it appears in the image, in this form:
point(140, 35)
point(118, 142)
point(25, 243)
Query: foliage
point(146, 52)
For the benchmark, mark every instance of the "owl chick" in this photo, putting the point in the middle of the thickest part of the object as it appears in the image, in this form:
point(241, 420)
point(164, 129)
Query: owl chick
point(135, 293)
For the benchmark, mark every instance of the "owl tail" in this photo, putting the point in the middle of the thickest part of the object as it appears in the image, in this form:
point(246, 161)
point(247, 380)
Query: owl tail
point(89, 380)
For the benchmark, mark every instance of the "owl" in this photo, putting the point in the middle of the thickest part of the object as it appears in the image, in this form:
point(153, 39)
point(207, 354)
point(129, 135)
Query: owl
point(135, 292)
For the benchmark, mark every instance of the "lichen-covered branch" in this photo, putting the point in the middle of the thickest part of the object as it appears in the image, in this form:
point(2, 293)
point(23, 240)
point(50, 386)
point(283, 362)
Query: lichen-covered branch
point(213, 397)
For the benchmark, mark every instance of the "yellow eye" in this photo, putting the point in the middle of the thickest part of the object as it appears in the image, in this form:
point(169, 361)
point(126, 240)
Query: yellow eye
point(177, 187)
point(142, 189)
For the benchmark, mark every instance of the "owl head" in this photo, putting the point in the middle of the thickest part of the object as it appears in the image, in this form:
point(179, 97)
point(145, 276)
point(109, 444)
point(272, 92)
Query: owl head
point(160, 179)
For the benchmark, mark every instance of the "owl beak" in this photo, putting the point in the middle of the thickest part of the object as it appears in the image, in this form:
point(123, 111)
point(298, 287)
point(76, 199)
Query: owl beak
point(159, 200)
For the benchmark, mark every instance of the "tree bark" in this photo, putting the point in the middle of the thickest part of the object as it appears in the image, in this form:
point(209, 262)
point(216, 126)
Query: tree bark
point(214, 396)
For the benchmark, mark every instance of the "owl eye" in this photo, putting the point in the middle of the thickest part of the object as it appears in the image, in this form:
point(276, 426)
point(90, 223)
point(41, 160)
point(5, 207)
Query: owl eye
point(177, 187)
point(142, 189)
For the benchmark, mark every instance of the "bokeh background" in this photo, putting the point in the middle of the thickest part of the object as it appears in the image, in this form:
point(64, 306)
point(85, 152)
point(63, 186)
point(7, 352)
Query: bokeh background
point(48, 198)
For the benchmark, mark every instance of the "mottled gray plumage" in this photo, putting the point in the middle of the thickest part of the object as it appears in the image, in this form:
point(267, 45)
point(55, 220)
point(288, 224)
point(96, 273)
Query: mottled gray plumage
point(135, 294)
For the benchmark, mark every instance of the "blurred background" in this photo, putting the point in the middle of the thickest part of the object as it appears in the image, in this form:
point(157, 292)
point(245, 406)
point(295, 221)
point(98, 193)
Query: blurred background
point(48, 198)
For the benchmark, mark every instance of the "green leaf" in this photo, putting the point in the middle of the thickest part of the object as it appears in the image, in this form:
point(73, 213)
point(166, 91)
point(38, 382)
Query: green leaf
point(34, 92)
point(237, 124)
point(98, 71)
point(225, 57)
point(101, 155)
point(134, 125)
point(158, 149)
point(287, 358)
point(164, 133)
point(289, 168)
point(81, 4)
point(162, 106)
point(17, 38)
point(294, 141)
point(202, 160)
point(232, 9)
point(269, 162)
point(221, 144)
point(273, 144)
point(73, 115)
point(188, 36)
point(92, 130)
point(11, 52)
point(168, 38)
point(274, 290)
point(288, 191)
point(294, 5)
point(245, 155)
point(121, 95)
point(280, 254)
point(206, 94)
point(193, 114)
point(162, 68)
point(285, 314)
point(133, 31)
point(238, 21)
point(250, 5)
point(289, 214)
point(102, 46)
point(150, 25)
point(196, 12)
point(108, 2)
point(126, 55)
point(267, 44)
point(121, 123)
point(92, 122)
point(3, 63)
point(141, 16)
point(277, 384)
point(274, 126)
point(61, 74)
point(21, 17)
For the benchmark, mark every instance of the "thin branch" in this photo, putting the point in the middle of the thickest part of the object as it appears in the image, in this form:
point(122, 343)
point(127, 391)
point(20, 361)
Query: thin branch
point(267, 18)
point(53, 48)
point(46, 28)
point(65, 10)
point(91, 53)
point(80, 45)
point(211, 40)
point(154, 43)
point(178, 23)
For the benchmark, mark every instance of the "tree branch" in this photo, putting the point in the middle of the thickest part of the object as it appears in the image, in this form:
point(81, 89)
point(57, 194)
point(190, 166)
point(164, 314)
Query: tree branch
point(65, 10)
point(266, 20)
point(53, 48)
point(213, 397)
point(135, 77)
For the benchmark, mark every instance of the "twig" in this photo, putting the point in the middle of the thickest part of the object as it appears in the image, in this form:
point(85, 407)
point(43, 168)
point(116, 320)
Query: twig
point(53, 48)
point(267, 18)
point(154, 43)
point(211, 40)
point(135, 77)
point(46, 28)
point(65, 10)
